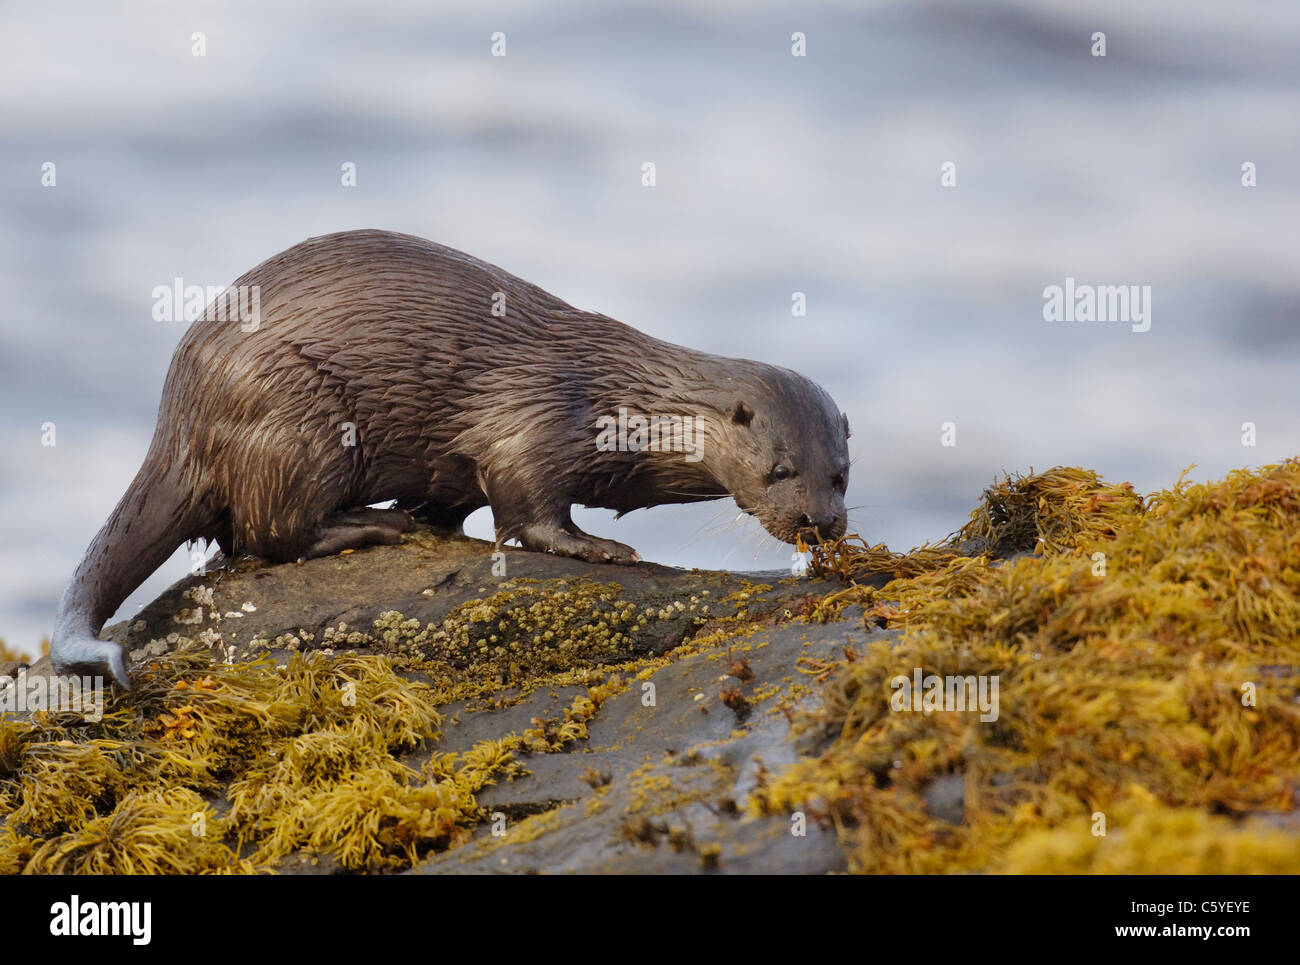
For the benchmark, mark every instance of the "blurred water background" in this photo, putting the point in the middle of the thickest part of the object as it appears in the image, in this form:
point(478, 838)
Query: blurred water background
point(775, 174)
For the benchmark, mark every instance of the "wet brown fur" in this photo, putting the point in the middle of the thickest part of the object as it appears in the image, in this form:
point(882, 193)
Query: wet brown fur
point(454, 409)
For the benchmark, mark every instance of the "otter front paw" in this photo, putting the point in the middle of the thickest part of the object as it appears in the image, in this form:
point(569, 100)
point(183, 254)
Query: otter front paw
point(596, 550)
point(579, 545)
point(88, 657)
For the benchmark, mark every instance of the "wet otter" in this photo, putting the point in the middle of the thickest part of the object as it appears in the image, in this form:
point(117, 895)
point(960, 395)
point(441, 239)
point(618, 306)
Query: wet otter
point(386, 367)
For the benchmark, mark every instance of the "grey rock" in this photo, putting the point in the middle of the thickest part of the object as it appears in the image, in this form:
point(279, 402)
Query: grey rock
point(945, 798)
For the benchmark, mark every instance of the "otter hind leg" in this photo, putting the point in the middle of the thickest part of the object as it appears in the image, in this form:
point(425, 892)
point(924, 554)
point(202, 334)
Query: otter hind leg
point(356, 529)
point(448, 518)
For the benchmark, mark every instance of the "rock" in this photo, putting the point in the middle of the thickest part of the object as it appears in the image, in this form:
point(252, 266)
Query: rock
point(248, 606)
point(945, 798)
point(678, 775)
point(660, 782)
point(10, 668)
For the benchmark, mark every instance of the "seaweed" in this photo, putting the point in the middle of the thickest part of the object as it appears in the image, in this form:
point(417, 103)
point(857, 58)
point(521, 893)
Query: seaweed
point(289, 746)
point(154, 831)
point(1160, 840)
point(1146, 650)
point(302, 756)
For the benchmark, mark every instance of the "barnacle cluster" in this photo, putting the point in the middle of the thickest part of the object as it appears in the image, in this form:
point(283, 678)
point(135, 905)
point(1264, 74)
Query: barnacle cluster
point(536, 625)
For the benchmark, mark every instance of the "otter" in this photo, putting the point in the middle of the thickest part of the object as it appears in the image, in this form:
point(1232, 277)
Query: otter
point(384, 367)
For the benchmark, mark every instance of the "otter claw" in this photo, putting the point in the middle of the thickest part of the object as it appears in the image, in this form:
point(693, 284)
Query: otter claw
point(117, 667)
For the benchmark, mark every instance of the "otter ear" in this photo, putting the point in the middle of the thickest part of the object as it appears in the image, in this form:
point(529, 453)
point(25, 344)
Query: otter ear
point(741, 414)
point(845, 417)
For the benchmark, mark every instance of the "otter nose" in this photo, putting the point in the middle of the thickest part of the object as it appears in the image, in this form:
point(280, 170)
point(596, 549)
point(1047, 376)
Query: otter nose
point(824, 525)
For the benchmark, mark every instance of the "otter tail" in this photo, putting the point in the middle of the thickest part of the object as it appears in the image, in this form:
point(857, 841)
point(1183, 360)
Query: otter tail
point(153, 517)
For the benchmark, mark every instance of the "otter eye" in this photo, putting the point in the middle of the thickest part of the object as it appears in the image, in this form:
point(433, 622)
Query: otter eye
point(839, 482)
point(780, 472)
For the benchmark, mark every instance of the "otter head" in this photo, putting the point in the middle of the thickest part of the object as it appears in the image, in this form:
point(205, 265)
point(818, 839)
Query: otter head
point(784, 455)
